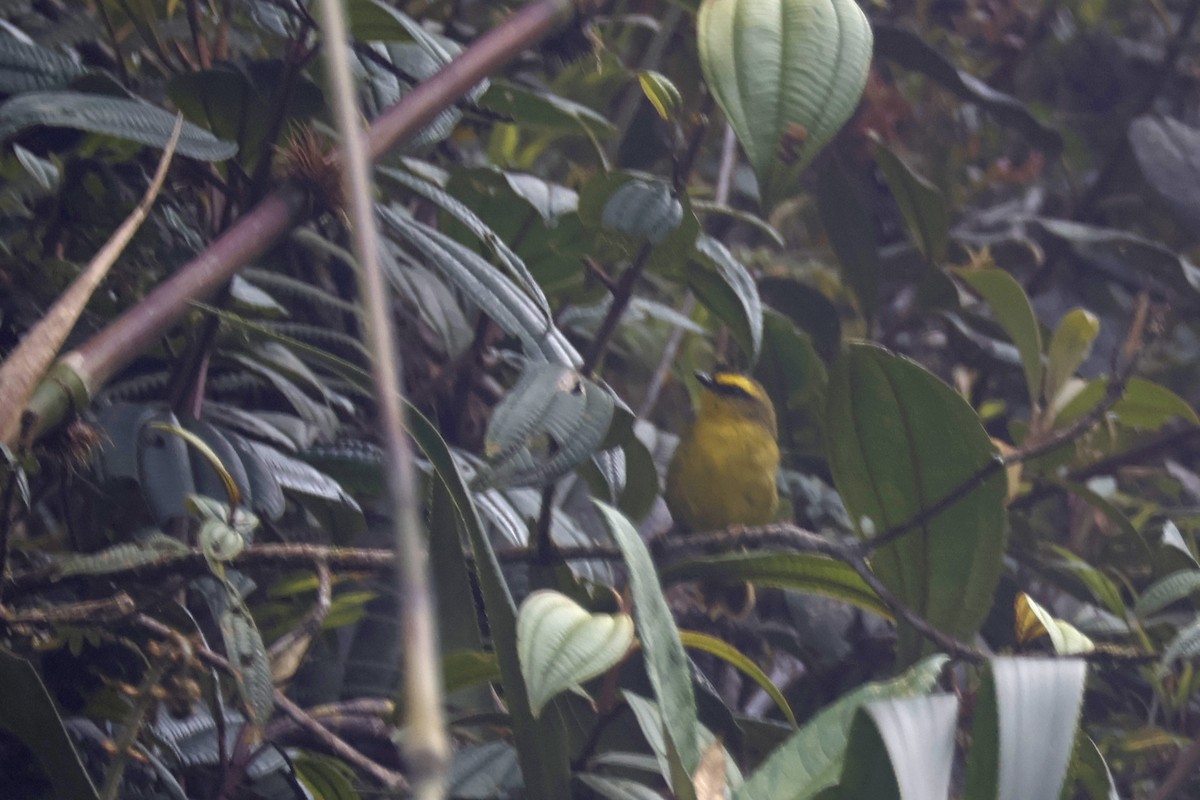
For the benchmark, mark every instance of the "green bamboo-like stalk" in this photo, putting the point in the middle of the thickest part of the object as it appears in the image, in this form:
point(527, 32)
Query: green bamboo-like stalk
point(80, 373)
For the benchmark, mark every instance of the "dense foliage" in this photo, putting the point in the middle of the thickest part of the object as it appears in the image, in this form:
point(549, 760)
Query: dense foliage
point(950, 240)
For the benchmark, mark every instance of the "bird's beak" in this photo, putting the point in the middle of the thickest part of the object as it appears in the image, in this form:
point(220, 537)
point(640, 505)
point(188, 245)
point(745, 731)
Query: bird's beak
point(705, 379)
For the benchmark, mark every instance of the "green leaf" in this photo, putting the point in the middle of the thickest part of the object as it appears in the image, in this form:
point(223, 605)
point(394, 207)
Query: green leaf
point(850, 225)
point(326, 777)
point(661, 93)
point(538, 110)
point(916, 735)
point(800, 572)
point(666, 663)
point(730, 654)
point(468, 219)
point(512, 309)
point(811, 759)
point(1145, 404)
point(643, 209)
point(787, 74)
point(1185, 645)
point(909, 51)
point(1166, 591)
point(541, 742)
point(551, 420)
point(1010, 306)
point(726, 288)
point(561, 645)
point(112, 116)
point(463, 669)
point(650, 719)
point(1070, 345)
point(28, 67)
point(1026, 718)
point(899, 441)
point(28, 712)
point(1141, 260)
point(248, 656)
point(920, 202)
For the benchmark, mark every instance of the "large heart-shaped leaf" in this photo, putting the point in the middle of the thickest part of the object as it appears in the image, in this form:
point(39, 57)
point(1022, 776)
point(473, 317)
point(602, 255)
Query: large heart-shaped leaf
point(561, 645)
point(899, 442)
point(787, 74)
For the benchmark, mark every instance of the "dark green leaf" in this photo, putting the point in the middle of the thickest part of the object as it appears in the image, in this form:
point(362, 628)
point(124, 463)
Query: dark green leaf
point(801, 572)
point(850, 226)
point(726, 288)
point(920, 202)
point(1010, 306)
point(909, 51)
point(899, 441)
point(113, 116)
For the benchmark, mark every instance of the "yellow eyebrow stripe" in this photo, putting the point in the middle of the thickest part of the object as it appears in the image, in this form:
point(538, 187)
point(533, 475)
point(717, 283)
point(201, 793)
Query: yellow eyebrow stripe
point(735, 380)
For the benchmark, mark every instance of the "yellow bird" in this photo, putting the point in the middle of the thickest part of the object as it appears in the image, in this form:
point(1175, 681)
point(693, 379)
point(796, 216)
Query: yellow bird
point(723, 472)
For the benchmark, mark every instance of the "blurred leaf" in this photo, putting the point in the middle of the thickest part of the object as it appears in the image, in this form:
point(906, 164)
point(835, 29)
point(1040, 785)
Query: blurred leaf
point(726, 288)
point(811, 760)
point(1166, 591)
point(252, 670)
point(643, 209)
point(548, 423)
point(538, 110)
point(1168, 152)
point(920, 202)
point(112, 116)
point(1069, 347)
point(1131, 258)
point(787, 75)
point(912, 738)
point(731, 655)
point(513, 310)
point(28, 67)
point(1144, 404)
point(1010, 306)
point(808, 309)
point(326, 777)
point(28, 712)
point(561, 645)
point(652, 724)
point(1033, 622)
point(850, 226)
point(666, 662)
point(1026, 718)
point(462, 669)
point(800, 572)
point(661, 93)
point(899, 441)
point(909, 51)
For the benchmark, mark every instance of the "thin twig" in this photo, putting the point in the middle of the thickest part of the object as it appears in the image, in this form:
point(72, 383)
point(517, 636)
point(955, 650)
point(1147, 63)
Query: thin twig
point(103, 610)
